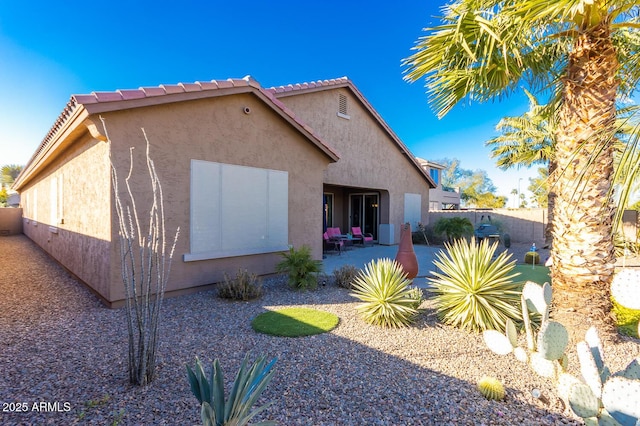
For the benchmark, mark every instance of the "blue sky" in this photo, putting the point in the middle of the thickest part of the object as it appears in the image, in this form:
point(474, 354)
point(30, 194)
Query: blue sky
point(51, 50)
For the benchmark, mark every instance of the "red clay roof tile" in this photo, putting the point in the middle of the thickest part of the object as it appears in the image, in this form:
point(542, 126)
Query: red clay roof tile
point(107, 96)
point(132, 94)
point(225, 84)
point(84, 99)
point(172, 88)
point(153, 91)
point(208, 85)
point(191, 87)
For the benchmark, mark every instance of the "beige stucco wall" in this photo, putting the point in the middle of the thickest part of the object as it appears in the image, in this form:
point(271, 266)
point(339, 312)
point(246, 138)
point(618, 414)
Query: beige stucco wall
point(216, 130)
point(522, 225)
point(10, 221)
point(78, 233)
point(369, 158)
point(440, 197)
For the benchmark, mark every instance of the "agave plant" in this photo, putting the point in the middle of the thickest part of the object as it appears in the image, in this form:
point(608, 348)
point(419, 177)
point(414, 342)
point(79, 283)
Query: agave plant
point(473, 291)
point(249, 383)
point(388, 299)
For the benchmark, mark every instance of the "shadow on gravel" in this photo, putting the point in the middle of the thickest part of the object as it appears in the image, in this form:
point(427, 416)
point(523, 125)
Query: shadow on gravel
point(63, 358)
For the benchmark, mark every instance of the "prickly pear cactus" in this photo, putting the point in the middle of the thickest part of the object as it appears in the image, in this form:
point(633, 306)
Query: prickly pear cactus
point(535, 296)
point(497, 342)
point(553, 339)
point(592, 339)
point(619, 394)
point(564, 385)
point(521, 355)
point(543, 366)
point(625, 288)
point(621, 399)
point(632, 371)
point(582, 401)
point(511, 332)
point(589, 369)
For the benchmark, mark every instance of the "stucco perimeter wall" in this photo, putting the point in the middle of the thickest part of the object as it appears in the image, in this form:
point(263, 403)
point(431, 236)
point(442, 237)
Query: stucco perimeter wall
point(522, 225)
point(10, 221)
point(215, 130)
point(369, 158)
point(67, 212)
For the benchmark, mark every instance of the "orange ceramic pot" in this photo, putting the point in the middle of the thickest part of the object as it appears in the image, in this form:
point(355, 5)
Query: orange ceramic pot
point(406, 256)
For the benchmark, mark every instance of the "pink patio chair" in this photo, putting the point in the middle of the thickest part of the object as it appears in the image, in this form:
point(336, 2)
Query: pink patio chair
point(333, 243)
point(334, 233)
point(359, 236)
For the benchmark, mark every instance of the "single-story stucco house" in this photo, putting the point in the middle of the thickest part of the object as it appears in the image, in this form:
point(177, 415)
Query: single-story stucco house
point(244, 170)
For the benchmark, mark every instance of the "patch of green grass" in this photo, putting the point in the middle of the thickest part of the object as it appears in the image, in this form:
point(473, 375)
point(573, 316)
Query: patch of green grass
point(295, 322)
point(538, 274)
point(626, 319)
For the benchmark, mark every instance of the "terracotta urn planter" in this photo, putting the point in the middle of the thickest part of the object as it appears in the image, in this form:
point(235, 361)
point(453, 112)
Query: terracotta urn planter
point(406, 256)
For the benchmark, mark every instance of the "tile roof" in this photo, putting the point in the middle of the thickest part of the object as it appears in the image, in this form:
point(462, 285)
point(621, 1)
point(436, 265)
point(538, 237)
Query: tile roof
point(320, 84)
point(293, 89)
point(204, 88)
point(92, 102)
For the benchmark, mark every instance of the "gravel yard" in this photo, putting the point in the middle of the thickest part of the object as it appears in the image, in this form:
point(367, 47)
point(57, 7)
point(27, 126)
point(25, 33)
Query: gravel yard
point(63, 360)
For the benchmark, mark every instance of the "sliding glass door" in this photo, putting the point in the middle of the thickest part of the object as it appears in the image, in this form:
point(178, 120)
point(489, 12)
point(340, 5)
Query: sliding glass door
point(363, 212)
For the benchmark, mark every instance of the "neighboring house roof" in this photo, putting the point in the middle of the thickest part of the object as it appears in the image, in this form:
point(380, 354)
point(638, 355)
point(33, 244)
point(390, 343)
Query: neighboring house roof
point(430, 164)
point(300, 88)
point(80, 107)
point(13, 200)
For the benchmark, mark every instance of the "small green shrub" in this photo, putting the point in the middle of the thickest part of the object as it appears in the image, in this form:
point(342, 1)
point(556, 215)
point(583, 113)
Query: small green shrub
point(384, 289)
point(250, 382)
point(506, 239)
point(417, 295)
point(301, 268)
point(345, 276)
point(531, 257)
point(473, 291)
point(453, 227)
point(244, 286)
point(626, 319)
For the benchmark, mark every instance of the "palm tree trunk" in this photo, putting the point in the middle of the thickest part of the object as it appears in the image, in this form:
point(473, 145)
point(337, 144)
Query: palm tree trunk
point(551, 201)
point(583, 251)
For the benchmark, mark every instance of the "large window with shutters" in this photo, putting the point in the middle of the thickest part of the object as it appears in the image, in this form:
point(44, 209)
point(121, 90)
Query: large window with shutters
point(237, 210)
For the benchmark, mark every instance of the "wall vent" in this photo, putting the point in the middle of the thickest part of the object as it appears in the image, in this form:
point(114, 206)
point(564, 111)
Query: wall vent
point(342, 106)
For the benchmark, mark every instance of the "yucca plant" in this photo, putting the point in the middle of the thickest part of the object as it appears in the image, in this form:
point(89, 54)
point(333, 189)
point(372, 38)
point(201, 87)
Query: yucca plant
point(473, 291)
point(386, 294)
point(301, 267)
point(249, 383)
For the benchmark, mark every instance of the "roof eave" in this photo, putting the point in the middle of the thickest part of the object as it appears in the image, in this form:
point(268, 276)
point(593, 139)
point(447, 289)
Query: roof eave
point(70, 127)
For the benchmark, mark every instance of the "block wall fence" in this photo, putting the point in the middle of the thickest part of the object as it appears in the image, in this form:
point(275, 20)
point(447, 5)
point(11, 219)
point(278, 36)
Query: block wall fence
point(523, 225)
point(527, 225)
point(10, 221)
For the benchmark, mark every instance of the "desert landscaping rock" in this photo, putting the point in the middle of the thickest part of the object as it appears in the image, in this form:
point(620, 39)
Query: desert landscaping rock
point(61, 350)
